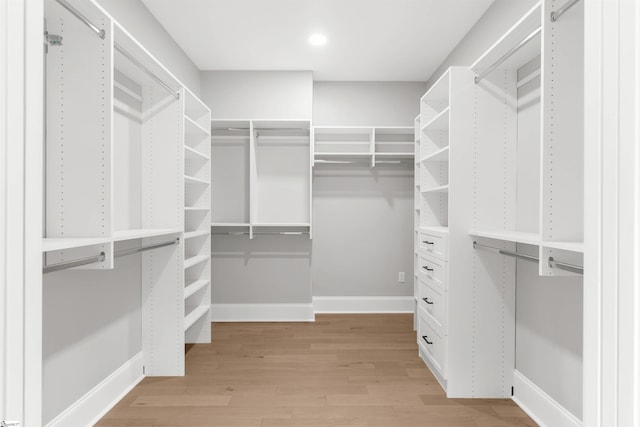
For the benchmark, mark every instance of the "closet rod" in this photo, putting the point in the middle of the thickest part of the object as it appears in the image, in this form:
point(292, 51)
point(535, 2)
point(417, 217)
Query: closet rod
point(505, 252)
point(100, 32)
point(139, 64)
point(126, 252)
point(507, 55)
point(555, 15)
point(101, 257)
point(552, 262)
point(71, 264)
point(566, 267)
point(258, 233)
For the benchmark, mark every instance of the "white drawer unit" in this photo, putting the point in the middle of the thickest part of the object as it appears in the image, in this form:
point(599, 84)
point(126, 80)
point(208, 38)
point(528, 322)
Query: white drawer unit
point(432, 343)
point(433, 269)
point(433, 301)
point(433, 243)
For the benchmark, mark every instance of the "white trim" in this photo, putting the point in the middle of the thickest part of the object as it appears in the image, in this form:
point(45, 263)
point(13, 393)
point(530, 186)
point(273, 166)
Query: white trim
point(91, 407)
point(262, 313)
point(391, 304)
point(541, 407)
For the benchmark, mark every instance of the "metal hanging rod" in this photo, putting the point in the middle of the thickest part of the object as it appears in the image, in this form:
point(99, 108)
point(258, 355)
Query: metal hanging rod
point(71, 264)
point(144, 69)
point(566, 267)
point(505, 252)
point(100, 32)
point(555, 15)
point(552, 263)
point(101, 257)
point(261, 233)
point(507, 55)
point(131, 251)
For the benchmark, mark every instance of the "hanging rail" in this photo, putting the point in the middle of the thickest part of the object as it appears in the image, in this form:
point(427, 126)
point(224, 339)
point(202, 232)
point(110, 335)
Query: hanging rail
point(71, 264)
point(552, 263)
point(100, 32)
point(144, 69)
point(131, 251)
point(507, 55)
point(259, 233)
point(101, 257)
point(566, 267)
point(555, 15)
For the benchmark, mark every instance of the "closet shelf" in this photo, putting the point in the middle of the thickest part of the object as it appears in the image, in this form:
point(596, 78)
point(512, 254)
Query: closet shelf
point(194, 287)
point(191, 153)
point(442, 155)
point(349, 154)
point(143, 233)
point(281, 224)
point(398, 155)
point(509, 236)
point(195, 209)
point(230, 224)
point(440, 189)
point(439, 122)
point(195, 260)
point(436, 229)
point(193, 130)
point(191, 180)
point(197, 233)
point(60, 243)
point(191, 318)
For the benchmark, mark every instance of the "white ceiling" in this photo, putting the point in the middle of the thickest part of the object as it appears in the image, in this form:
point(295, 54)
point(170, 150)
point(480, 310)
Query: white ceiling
point(368, 40)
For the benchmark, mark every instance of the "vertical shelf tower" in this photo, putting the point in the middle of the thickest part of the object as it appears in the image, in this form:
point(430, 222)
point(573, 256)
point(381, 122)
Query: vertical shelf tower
point(197, 217)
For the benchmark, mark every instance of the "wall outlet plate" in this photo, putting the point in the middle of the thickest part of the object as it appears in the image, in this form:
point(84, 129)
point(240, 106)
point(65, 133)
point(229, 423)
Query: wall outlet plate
point(401, 277)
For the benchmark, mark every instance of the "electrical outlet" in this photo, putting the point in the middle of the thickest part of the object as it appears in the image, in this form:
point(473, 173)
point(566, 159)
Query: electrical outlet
point(401, 277)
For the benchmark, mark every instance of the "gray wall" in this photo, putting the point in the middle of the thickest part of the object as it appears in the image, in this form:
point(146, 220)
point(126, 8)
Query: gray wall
point(363, 218)
point(136, 18)
point(492, 25)
point(258, 94)
point(267, 269)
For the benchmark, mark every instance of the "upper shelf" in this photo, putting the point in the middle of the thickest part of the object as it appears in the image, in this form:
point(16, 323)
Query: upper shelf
point(57, 244)
point(529, 239)
point(143, 233)
point(439, 122)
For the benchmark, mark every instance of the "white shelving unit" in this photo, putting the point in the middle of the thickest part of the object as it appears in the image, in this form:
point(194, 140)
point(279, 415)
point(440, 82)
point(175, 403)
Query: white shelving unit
point(261, 177)
point(197, 236)
point(375, 146)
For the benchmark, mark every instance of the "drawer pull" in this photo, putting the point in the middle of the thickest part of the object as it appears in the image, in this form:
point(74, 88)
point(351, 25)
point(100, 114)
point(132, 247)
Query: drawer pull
point(427, 242)
point(427, 268)
point(426, 339)
point(427, 300)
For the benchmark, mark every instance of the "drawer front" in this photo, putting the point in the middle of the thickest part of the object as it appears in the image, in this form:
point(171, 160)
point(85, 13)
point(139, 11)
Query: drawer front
point(432, 343)
point(433, 300)
point(433, 244)
point(434, 270)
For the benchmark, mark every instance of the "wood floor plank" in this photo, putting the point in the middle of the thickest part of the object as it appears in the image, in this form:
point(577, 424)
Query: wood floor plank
point(342, 370)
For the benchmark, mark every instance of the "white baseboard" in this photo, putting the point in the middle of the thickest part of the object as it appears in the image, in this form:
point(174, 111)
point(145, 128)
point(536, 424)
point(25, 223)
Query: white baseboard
point(541, 407)
point(364, 304)
point(88, 410)
point(262, 313)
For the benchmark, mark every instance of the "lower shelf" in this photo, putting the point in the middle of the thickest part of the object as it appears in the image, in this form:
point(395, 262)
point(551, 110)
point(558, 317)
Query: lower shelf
point(195, 315)
point(190, 262)
point(194, 287)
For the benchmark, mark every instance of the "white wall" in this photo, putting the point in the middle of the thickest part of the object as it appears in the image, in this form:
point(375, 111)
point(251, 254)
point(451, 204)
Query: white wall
point(258, 94)
point(363, 218)
point(494, 23)
point(136, 18)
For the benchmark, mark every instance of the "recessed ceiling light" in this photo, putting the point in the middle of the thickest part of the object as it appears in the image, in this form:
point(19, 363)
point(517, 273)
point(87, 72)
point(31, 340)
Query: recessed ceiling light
point(318, 39)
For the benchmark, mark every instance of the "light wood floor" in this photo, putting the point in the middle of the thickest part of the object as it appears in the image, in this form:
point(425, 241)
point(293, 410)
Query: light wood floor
point(342, 370)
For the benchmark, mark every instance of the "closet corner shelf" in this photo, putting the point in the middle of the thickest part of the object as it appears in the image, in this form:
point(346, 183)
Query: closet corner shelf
point(191, 153)
point(198, 233)
point(439, 122)
point(194, 287)
point(197, 313)
point(191, 180)
point(442, 155)
point(50, 244)
point(440, 189)
point(194, 129)
point(509, 236)
point(195, 260)
point(143, 233)
point(435, 229)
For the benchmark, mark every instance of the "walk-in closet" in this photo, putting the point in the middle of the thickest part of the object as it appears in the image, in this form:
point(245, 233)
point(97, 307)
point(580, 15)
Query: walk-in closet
point(391, 213)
